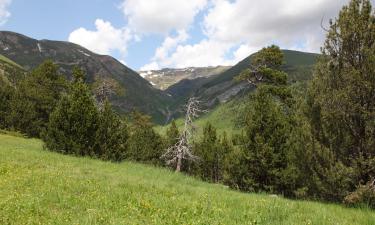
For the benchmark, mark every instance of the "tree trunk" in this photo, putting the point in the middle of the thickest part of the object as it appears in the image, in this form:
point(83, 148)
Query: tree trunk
point(179, 162)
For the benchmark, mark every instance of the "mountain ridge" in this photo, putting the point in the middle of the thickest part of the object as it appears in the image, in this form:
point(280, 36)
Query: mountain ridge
point(29, 53)
point(166, 77)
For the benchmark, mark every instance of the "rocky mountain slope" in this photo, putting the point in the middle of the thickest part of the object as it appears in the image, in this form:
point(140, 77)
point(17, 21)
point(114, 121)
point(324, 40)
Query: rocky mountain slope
point(222, 87)
point(139, 93)
point(164, 78)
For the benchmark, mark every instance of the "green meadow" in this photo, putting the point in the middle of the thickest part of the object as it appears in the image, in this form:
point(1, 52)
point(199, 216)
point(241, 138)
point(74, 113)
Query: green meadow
point(42, 187)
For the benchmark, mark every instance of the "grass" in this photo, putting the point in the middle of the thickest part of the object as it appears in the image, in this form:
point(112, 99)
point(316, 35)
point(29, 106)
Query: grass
point(41, 187)
point(7, 60)
point(224, 117)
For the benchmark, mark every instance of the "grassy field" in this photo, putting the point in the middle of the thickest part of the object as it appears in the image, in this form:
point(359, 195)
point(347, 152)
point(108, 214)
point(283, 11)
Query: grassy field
point(40, 187)
point(6, 60)
point(224, 117)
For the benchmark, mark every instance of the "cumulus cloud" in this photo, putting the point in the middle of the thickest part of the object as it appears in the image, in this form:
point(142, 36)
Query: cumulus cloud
point(150, 66)
point(161, 56)
point(4, 13)
point(161, 16)
point(285, 22)
point(104, 39)
point(204, 53)
point(235, 29)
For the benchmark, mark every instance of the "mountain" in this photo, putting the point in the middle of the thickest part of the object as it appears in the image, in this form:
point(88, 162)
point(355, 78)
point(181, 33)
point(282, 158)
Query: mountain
point(139, 93)
point(164, 78)
point(222, 87)
point(213, 85)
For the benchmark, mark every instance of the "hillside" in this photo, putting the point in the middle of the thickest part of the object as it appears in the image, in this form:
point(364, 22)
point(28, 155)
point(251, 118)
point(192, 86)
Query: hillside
point(164, 78)
point(225, 117)
point(10, 72)
point(139, 93)
point(222, 87)
point(55, 189)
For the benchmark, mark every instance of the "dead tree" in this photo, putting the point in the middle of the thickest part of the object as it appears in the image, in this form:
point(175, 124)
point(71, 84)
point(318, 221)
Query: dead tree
point(183, 148)
point(103, 89)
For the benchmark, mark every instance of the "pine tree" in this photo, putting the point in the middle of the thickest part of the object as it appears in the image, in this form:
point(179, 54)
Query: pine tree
point(73, 124)
point(172, 134)
point(111, 136)
point(211, 151)
point(35, 98)
point(263, 161)
point(145, 145)
point(6, 93)
point(342, 110)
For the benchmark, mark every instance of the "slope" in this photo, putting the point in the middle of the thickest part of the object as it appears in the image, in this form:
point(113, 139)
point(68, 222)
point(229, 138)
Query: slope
point(10, 72)
point(222, 87)
point(139, 93)
point(40, 187)
point(164, 78)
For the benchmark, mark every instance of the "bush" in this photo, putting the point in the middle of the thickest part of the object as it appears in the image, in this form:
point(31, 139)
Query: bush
point(363, 195)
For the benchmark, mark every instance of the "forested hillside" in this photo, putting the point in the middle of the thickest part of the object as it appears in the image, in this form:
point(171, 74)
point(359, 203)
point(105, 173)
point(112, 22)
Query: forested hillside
point(131, 90)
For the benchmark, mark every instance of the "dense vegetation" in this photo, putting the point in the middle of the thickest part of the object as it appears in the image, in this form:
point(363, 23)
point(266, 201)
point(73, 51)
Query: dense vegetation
point(41, 187)
point(314, 140)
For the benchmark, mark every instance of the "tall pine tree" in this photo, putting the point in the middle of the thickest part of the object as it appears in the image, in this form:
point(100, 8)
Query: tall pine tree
point(35, 98)
point(342, 97)
point(72, 125)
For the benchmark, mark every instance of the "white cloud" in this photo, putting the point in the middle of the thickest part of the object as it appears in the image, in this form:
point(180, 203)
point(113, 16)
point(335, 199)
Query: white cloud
point(242, 52)
point(204, 53)
point(4, 13)
point(104, 39)
point(235, 29)
point(161, 16)
point(150, 66)
point(258, 23)
point(169, 43)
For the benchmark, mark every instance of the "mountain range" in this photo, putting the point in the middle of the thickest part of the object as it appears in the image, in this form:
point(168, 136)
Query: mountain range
point(166, 77)
point(161, 93)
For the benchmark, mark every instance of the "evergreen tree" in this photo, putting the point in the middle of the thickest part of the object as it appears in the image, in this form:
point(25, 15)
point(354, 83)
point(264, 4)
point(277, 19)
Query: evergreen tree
point(111, 136)
point(73, 124)
point(172, 134)
point(211, 151)
point(145, 145)
point(6, 93)
point(341, 100)
point(263, 158)
point(35, 98)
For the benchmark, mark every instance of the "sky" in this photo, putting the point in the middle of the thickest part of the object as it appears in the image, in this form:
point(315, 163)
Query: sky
point(154, 34)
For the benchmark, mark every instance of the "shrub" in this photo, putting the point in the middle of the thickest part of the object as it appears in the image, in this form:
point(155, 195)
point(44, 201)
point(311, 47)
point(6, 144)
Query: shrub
point(363, 195)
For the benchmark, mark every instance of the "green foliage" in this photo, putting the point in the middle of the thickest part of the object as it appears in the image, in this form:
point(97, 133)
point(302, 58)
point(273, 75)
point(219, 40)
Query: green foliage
point(363, 195)
point(35, 98)
point(145, 145)
point(111, 139)
point(265, 67)
point(73, 124)
point(341, 99)
point(172, 134)
point(263, 157)
point(211, 151)
point(6, 94)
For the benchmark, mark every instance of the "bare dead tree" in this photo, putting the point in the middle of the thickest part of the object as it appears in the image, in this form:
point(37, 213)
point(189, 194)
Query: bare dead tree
point(104, 88)
point(183, 148)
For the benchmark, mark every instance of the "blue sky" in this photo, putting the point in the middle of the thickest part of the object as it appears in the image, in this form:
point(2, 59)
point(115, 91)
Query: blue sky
point(152, 34)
